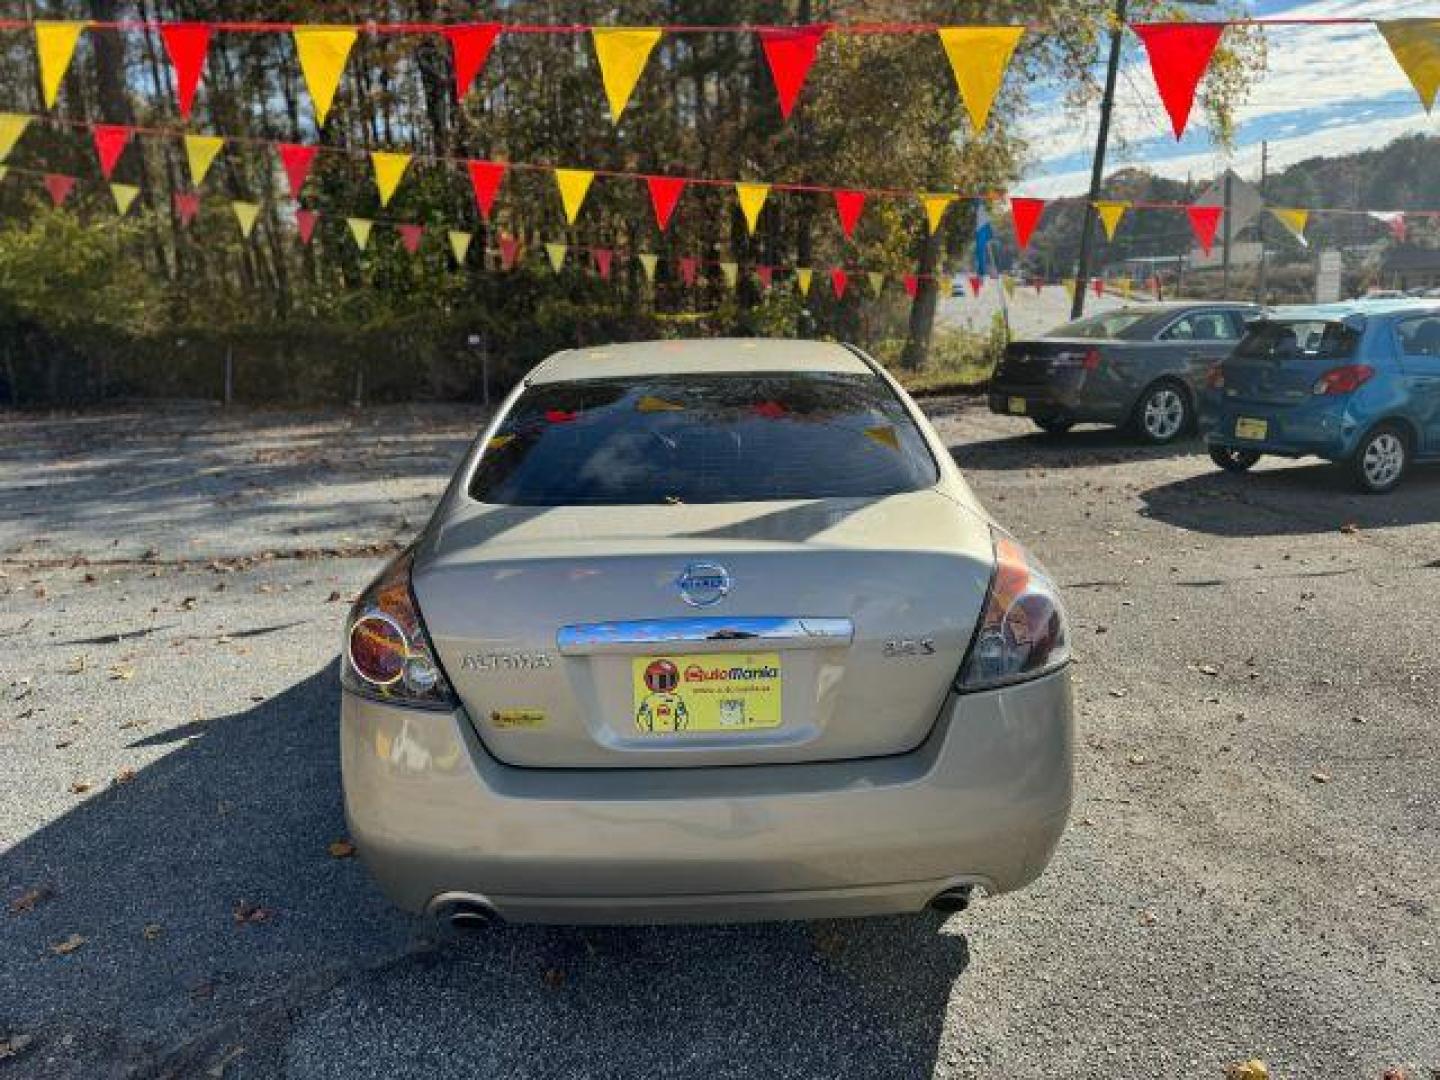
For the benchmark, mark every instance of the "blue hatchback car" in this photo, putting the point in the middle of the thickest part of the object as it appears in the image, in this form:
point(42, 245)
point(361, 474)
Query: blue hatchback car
point(1356, 383)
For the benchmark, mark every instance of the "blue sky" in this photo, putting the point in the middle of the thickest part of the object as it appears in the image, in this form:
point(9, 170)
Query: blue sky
point(1326, 90)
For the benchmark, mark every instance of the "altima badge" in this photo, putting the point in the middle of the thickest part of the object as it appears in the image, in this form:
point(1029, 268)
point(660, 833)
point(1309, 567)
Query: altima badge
point(702, 584)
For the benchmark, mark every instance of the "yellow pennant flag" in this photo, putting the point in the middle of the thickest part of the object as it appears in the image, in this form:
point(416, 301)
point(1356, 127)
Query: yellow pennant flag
point(1293, 220)
point(877, 282)
point(945, 285)
point(389, 168)
point(622, 53)
point(647, 263)
point(1126, 287)
point(1416, 45)
point(730, 272)
point(803, 274)
point(935, 207)
point(1069, 284)
point(573, 184)
point(323, 51)
point(55, 44)
point(124, 195)
point(245, 214)
point(1008, 283)
point(459, 244)
point(12, 126)
point(1111, 211)
point(200, 151)
point(752, 199)
point(556, 254)
point(979, 57)
point(360, 230)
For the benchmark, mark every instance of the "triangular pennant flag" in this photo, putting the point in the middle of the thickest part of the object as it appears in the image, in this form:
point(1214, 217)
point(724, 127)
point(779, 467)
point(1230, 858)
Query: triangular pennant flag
point(245, 214)
point(976, 284)
point(360, 230)
point(59, 187)
point(944, 285)
point(689, 268)
point(603, 258)
point(665, 192)
point(1126, 288)
point(485, 177)
point(647, 263)
point(1394, 220)
point(389, 169)
point(573, 184)
point(200, 151)
point(470, 45)
point(110, 143)
point(790, 51)
point(1293, 220)
point(186, 43)
point(1025, 213)
point(410, 236)
point(323, 51)
point(877, 282)
point(849, 205)
point(305, 224)
point(766, 275)
point(979, 57)
point(509, 252)
point(296, 161)
point(459, 245)
point(187, 205)
point(1416, 45)
point(1097, 285)
point(124, 196)
point(935, 207)
point(622, 53)
point(12, 126)
point(1204, 220)
point(839, 281)
point(1179, 56)
point(1069, 284)
point(1111, 211)
point(556, 254)
point(55, 44)
point(912, 285)
point(803, 276)
point(730, 272)
point(752, 198)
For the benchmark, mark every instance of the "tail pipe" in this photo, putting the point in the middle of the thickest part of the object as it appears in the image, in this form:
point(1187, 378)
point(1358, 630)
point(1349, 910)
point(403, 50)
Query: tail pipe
point(952, 900)
point(463, 911)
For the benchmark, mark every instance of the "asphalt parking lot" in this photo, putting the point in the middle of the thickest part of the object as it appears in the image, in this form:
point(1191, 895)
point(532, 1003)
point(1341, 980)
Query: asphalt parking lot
point(1252, 869)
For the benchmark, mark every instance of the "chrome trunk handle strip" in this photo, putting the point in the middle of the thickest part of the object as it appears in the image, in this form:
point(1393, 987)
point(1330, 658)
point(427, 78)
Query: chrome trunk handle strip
point(717, 633)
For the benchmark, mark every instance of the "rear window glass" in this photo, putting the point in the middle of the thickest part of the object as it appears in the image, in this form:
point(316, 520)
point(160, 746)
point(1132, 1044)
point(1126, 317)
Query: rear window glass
point(1316, 339)
point(1113, 324)
point(703, 439)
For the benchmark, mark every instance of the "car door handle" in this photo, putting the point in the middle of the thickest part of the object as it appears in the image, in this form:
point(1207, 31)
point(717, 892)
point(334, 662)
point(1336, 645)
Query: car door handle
point(716, 633)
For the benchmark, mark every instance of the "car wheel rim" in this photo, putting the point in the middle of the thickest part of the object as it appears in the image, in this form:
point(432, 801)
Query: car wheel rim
point(1384, 458)
point(1164, 414)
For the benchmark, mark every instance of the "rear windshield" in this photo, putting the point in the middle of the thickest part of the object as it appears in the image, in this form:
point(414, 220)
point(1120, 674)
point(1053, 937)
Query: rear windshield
point(703, 439)
point(1114, 324)
point(1316, 339)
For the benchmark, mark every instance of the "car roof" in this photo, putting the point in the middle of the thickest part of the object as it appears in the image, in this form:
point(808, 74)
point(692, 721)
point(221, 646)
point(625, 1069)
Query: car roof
point(1332, 312)
point(710, 356)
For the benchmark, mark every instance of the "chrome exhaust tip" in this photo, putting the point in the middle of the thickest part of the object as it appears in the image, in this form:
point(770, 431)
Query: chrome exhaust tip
point(462, 911)
point(952, 900)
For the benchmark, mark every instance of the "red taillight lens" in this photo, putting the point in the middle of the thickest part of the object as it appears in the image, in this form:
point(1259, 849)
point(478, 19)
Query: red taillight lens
point(387, 652)
point(1022, 632)
point(1092, 359)
point(1343, 380)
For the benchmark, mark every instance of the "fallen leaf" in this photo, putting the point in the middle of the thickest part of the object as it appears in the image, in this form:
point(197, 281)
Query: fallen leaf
point(1320, 776)
point(79, 787)
point(189, 603)
point(13, 1045)
point(69, 945)
point(1254, 1069)
point(124, 776)
point(1209, 669)
point(246, 912)
point(1137, 759)
point(332, 597)
point(1350, 528)
point(341, 849)
point(1148, 918)
point(27, 900)
point(121, 673)
point(151, 931)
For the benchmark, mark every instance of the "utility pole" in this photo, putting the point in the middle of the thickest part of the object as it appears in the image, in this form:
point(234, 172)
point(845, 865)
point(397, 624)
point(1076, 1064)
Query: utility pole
point(1225, 250)
point(1260, 225)
point(1097, 168)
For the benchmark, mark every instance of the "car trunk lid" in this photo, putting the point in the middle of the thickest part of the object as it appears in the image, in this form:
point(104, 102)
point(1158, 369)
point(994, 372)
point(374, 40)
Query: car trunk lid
point(1035, 362)
point(1279, 361)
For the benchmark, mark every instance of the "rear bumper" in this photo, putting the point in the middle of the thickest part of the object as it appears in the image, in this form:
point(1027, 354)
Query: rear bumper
point(983, 801)
point(1054, 401)
point(1325, 427)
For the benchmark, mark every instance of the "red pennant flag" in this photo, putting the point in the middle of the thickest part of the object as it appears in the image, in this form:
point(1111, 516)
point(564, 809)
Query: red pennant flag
point(485, 178)
point(110, 142)
point(470, 45)
point(59, 187)
point(1026, 215)
point(187, 44)
point(1204, 220)
point(838, 281)
point(912, 285)
point(1098, 284)
point(766, 274)
point(297, 161)
point(976, 284)
point(602, 257)
point(509, 252)
point(187, 205)
point(664, 194)
point(410, 236)
point(790, 51)
point(849, 205)
point(305, 224)
point(1179, 55)
point(689, 267)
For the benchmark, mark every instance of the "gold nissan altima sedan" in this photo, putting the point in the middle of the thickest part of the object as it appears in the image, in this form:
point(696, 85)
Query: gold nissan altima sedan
point(706, 631)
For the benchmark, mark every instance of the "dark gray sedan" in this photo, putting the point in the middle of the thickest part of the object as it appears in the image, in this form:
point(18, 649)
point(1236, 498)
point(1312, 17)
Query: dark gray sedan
point(1138, 367)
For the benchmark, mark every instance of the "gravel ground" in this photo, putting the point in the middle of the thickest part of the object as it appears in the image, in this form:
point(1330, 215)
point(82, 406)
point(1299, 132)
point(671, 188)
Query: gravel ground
point(1251, 869)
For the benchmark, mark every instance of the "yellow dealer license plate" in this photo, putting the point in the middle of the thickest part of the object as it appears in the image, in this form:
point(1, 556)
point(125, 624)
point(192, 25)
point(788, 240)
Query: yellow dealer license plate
point(706, 692)
point(1246, 428)
point(1017, 405)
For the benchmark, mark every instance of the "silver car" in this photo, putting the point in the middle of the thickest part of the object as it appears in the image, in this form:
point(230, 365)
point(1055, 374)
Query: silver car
point(706, 631)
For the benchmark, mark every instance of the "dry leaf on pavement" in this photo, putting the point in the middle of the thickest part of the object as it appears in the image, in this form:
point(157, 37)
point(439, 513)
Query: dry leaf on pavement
point(69, 945)
point(1254, 1069)
point(341, 849)
point(30, 898)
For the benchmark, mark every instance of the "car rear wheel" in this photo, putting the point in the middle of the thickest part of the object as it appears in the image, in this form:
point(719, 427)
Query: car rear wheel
point(1381, 458)
point(1233, 459)
point(1163, 414)
point(1052, 426)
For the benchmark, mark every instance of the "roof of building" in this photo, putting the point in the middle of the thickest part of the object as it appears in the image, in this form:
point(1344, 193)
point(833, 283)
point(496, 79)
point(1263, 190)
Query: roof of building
point(702, 355)
point(1410, 258)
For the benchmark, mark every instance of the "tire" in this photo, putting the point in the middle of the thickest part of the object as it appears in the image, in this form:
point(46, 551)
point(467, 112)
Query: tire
point(1163, 413)
point(1052, 426)
point(1233, 459)
point(1382, 458)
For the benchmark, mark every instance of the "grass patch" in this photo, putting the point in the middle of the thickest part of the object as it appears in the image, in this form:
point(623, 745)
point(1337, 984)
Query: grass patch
point(960, 363)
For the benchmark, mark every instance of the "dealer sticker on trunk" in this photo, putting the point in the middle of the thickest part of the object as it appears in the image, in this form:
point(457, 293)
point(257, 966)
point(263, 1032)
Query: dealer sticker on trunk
point(706, 692)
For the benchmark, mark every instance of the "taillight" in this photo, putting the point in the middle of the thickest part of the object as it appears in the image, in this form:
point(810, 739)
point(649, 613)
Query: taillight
point(387, 652)
point(1092, 359)
point(1215, 377)
point(1022, 632)
point(1343, 380)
